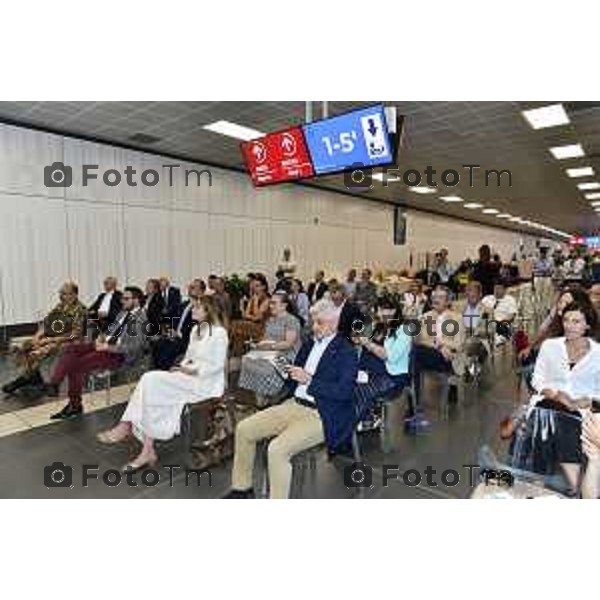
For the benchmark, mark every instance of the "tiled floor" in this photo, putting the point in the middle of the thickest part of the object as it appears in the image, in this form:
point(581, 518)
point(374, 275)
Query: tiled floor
point(29, 442)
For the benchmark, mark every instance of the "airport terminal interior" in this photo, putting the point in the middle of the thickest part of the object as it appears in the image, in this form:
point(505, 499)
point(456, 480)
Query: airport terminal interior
point(303, 299)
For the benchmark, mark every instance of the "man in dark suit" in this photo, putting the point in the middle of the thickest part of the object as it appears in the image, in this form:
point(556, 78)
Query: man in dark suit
point(167, 350)
point(317, 288)
point(352, 320)
point(172, 299)
point(321, 408)
point(107, 305)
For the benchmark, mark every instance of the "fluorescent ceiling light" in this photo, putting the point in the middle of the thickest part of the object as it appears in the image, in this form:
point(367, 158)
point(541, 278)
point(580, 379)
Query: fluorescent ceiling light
point(580, 172)
point(422, 189)
point(515, 219)
point(570, 151)
point(380, 177)
point(233, 130)
point(490, 211)
point(473, 205)
point(504, 216)
point(451, 198)
point(592, 185)
point(594, 196)
point(546, 116)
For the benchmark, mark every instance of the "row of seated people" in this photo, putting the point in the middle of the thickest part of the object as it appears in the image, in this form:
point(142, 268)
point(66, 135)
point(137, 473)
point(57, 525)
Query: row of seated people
point(437, 351)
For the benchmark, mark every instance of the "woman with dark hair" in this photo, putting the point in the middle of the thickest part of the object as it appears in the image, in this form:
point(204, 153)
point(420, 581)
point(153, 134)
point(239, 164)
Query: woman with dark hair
point(384, 357)
point(154, 409)
point(566, 380)
point(252, 324)
point(281, 342)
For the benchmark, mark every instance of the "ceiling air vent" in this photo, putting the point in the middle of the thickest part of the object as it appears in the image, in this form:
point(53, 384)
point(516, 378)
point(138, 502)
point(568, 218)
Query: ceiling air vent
point(143, 138)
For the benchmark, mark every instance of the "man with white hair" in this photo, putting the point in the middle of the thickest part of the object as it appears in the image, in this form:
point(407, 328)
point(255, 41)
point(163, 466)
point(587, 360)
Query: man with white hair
point(321, 408)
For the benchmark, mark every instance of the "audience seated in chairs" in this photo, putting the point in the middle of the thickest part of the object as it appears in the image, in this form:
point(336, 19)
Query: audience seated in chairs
point(321, 408)
point(317, 288)
point(439, 345)
point(171, 297)
point(383, 367)
point(252, 324)
point(502, 307)
point(107, 305)
point(155, 407)
point(476, 330)
point(414, 301)
point(154, 307)
point(123, 346)
point(65, 323)
point(170, 347)
point(216, 289)
point(281, 340)
point(566, 380)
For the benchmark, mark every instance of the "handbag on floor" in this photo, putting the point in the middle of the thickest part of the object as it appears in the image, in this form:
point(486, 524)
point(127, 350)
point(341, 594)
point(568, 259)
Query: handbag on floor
point(212, 442)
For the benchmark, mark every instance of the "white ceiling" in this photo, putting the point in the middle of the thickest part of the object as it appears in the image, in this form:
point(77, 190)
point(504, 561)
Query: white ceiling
point(444, 135)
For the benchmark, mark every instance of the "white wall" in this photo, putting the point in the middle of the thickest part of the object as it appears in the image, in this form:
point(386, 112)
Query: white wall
point(84, 233)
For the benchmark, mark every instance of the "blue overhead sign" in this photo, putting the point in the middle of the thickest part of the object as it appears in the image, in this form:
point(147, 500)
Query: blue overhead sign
point(339, 143)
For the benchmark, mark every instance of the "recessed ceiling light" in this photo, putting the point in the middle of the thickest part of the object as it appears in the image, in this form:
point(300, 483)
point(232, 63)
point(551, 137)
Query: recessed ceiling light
point(592, 185)
point(580, 172)
point(234, 130)
point(388, 178)
point(504, 216)
point(490, 211)
point(570, 151)
point(594, 196)
point(451, 198)
point(421, 189)
point(546, 116)
point(473, 205)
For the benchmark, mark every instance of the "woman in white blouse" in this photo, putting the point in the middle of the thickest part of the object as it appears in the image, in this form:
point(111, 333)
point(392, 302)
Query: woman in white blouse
point(567, 378)
point(154, 409)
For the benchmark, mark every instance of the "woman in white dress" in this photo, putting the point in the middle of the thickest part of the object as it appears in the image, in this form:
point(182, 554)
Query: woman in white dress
point(154, 409)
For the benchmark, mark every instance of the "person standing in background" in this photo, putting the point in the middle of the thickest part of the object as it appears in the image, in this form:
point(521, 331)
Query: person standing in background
point(171, 297)
point(317, 288)
point(287, 266)
point(350, 285)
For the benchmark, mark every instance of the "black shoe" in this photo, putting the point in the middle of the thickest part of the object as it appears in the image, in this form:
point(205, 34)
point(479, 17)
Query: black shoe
point(239, 495)
point(31, 379)
point(69, 412)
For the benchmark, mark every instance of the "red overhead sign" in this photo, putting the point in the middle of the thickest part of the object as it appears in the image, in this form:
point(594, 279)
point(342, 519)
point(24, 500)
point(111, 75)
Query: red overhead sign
point(280, 156)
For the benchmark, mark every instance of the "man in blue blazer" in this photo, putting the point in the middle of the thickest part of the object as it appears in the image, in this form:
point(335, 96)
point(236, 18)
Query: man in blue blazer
point(321, 408)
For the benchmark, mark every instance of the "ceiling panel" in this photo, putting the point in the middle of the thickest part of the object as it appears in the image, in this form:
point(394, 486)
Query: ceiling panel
point(445, 135)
